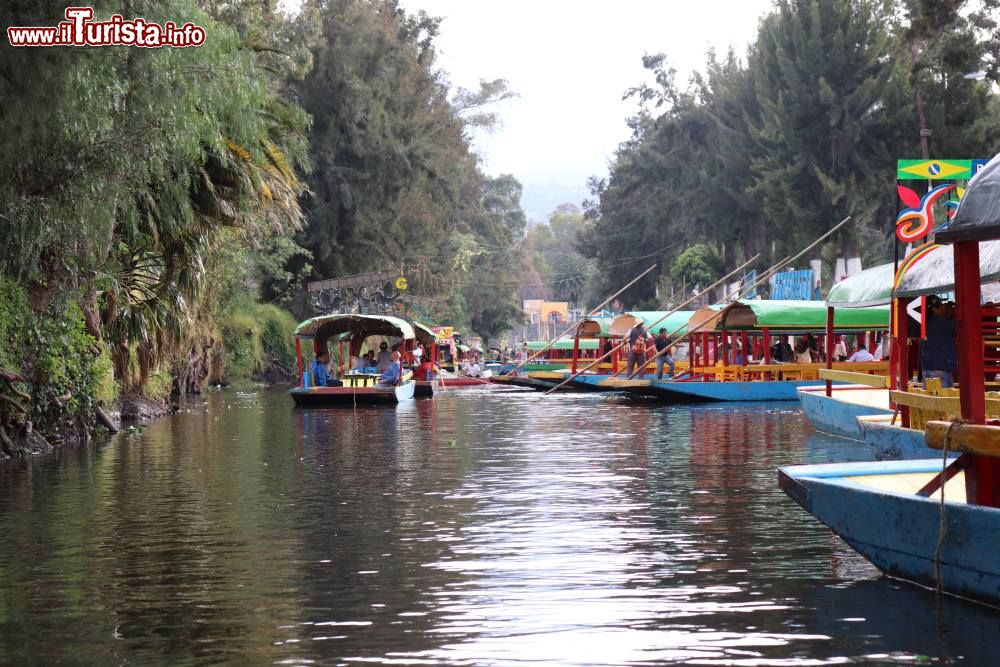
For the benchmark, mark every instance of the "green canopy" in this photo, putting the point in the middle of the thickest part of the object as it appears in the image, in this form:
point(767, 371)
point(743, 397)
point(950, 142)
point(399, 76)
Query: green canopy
point(563, 344)
point(652, 320)
point(800, 316)
point(358, 326)
point(871, 287)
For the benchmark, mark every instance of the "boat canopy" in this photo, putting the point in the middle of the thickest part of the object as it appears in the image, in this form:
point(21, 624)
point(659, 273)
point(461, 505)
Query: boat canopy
point(653, 320)
point(357, 326)
point(800, 316)
point(978, 215)
point(563, 344)
point(871, 287)
point(424, 334)
point(705, 319)
point(935, 273)
point(594, 327)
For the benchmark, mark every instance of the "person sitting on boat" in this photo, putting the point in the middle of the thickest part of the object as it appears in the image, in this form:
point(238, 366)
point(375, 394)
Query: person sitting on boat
point(390, 376)
point(418, 353)
point(840, 349)
point(938, 356)
point(803, 355)
point(384, 357)
point(319, 371)
point(359, 362)
point(861, 354)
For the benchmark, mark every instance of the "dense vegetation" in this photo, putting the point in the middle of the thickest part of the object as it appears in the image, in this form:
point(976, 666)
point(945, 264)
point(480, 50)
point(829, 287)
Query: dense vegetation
point(150, 199)
point(764, 154)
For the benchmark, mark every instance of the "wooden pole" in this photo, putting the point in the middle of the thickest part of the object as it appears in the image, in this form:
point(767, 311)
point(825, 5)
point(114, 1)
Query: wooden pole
point(592, 312)
point(704, 291)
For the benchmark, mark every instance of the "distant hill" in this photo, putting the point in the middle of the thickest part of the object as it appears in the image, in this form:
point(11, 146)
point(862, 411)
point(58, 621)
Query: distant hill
point(539, 199)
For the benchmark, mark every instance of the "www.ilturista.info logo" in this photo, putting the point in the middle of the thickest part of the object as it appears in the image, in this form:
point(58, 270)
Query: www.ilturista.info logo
point(79, 30)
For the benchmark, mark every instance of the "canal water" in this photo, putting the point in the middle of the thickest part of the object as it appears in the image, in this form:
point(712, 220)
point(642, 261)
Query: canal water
point(478, 528)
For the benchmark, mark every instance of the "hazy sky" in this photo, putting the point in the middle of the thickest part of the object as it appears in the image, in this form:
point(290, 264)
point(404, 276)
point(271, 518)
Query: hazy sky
point(570, 62)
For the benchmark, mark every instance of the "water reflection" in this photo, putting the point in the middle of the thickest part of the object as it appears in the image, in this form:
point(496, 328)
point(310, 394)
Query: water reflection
point(473, 528)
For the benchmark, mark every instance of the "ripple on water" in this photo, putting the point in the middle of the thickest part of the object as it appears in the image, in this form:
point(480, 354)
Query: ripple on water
point(475, 528)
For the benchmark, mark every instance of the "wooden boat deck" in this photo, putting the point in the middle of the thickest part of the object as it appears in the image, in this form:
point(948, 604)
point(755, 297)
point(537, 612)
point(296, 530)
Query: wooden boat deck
point(856, 395)
point(911, 483)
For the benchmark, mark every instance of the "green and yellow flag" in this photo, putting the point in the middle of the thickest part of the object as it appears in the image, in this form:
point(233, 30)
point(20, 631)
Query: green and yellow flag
point(924, 170)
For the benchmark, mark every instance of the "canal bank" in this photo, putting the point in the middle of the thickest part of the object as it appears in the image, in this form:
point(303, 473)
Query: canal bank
point(474, 528)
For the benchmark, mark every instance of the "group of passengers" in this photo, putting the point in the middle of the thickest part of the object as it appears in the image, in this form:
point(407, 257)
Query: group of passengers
point(386, 363)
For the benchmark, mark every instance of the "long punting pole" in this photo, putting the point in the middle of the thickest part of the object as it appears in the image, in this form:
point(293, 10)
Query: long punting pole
point(592, 312)
point(621, 345)
point(764, 276)
point(743, 292)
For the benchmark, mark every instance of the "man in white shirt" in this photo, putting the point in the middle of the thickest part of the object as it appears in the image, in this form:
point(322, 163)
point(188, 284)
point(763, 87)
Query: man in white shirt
point(862, 354)
point(418, 352)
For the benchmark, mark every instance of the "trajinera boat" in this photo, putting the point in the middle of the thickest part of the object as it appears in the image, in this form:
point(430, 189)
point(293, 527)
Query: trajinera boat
point(731, 356)
point(920, 520)
point(350, 332)
point(436, 378)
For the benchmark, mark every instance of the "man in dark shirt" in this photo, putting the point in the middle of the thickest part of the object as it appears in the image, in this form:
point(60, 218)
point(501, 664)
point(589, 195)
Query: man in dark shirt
point(662, 343)
point(938, 357)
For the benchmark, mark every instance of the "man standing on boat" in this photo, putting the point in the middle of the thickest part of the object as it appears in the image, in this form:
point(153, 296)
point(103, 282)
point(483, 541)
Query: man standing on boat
point(661, 343)
point(390, 376)
point(637, 347)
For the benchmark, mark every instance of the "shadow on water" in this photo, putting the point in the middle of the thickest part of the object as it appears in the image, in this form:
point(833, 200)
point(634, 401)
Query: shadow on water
point(474, 528)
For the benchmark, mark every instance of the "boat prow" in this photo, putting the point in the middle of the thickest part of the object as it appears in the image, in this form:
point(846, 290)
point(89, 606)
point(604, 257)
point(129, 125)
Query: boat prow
point(873, 506)
point(331, 396)
point(838, 413)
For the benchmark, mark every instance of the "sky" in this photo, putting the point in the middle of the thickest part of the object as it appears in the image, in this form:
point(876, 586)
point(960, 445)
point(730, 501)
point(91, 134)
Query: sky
point(570, 61)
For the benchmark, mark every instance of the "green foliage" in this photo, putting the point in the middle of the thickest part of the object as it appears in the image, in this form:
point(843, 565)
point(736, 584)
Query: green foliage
point(764, 154)
point(14, 316)
point(699, 265)
point(553, 267)
point(59, 360)
point(395, 182)
point(256, 337)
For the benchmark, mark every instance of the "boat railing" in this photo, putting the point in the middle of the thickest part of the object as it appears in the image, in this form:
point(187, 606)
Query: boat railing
point(932, 402)
point(853, 377)
point(754, 371)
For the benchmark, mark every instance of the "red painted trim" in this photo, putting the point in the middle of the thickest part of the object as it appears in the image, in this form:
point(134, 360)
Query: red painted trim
point(829, 347)
point(767, 351)
point(576, 352)
point(982, 478)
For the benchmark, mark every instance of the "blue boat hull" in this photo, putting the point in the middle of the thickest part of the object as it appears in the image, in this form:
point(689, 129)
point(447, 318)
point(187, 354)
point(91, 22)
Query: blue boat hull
point(892, 443)
point(836, 417)
point(758, 391)
point(899, 533)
